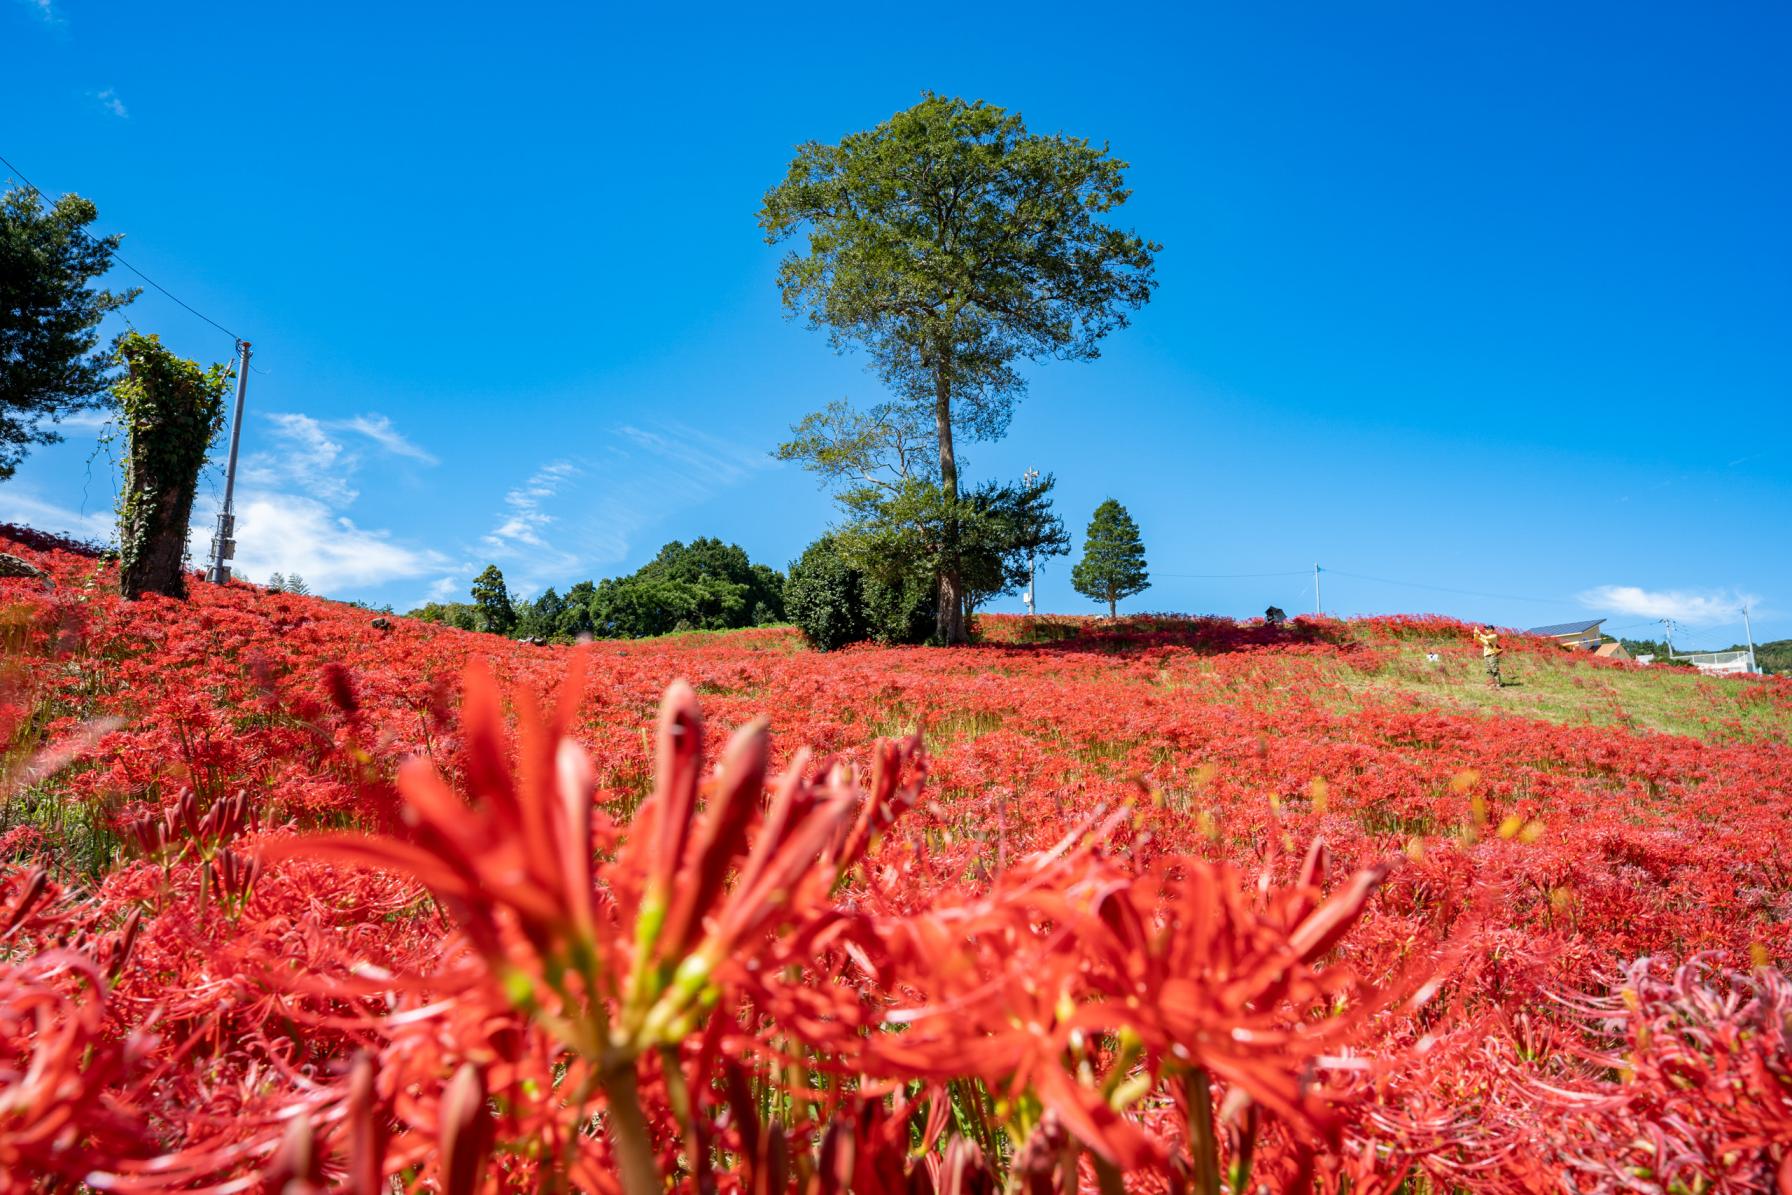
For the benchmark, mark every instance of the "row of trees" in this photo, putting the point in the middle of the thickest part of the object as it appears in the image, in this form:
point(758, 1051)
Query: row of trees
point(873, 579)
point(705, 585)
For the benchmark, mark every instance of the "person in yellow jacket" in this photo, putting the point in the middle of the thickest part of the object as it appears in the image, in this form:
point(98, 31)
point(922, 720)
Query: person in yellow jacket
point(1490, 653)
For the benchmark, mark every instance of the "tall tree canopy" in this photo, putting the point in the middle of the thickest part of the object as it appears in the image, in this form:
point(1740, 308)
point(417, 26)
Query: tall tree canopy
point(950, 243)
point(50, 313)
point(1113, 563)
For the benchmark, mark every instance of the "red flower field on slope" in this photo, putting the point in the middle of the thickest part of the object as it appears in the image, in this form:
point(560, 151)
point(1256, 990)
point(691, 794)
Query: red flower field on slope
point(1175, 904)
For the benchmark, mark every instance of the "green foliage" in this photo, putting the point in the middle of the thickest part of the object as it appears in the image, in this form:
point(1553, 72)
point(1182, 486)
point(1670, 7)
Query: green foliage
point(1113, 563)
point(950, 243)
point(824, 597)
point(853, 450)
point(50, 314)
point(705, 585)
point(464, 615)
point(575, 619)
point(540, 619)
point(491, 598)
point(281, 583)
point(876, 577)
point(171, 411)
point(1774, 656)
point(903, 539)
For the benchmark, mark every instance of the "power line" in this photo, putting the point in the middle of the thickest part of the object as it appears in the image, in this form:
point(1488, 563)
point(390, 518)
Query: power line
point(113, 253)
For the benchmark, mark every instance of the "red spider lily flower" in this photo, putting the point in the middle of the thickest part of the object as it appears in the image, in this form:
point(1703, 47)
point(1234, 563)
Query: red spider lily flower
point(61, 1080)
point(515, 869)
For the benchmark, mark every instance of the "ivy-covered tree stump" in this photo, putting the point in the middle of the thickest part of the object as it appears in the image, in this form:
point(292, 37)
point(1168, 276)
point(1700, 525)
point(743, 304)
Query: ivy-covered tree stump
point(171, 410)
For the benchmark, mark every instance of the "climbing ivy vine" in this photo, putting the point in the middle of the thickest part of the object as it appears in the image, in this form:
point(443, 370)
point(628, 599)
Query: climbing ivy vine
point(171, 411)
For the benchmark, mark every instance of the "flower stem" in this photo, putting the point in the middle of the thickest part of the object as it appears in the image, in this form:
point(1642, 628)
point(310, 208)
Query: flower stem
point(629, 1135)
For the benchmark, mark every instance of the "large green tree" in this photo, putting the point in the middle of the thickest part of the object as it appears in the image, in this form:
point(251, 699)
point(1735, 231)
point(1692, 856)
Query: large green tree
point(491, 597)
point(1113, 563)
point(898, 537)
point(50, 313)
point(950, 243)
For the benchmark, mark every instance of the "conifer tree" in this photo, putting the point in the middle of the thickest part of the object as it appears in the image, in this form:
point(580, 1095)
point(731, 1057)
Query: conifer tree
point(1113, 563)
point(51, 365)
point(492, 599)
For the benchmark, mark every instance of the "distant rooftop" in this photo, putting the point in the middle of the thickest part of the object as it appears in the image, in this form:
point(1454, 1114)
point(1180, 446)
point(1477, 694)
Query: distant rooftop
point(1557, 630)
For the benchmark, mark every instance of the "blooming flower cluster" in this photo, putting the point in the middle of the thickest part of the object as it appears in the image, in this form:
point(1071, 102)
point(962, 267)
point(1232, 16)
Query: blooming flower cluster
point(293, 902)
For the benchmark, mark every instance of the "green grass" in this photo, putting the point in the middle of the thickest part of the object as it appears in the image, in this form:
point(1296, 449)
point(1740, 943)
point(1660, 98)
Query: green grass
point(1572, 690)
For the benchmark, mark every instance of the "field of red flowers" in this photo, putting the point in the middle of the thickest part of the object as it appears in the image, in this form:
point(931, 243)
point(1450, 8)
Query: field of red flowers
point(293, 901)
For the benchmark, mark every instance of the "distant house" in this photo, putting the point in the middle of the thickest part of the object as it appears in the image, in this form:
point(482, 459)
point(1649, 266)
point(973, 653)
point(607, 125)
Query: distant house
point(1611, 651)
point(1578, 635)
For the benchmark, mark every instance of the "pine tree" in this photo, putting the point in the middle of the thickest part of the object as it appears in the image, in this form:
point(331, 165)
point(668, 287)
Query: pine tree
point(492, 598)
point(1113, 563)
point(50, 312)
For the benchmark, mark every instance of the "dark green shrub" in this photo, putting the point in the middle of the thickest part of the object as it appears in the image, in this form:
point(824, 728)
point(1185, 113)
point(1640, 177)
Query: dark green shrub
point(825, 598)
point(902, 613)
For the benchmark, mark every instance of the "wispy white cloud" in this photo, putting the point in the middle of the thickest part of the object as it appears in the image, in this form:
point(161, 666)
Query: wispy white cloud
point(304, 458)
point(523, 519)
point(316, 458)
point(43, 8)
point(292, 501)
point(22, 506)
point(287, 534)
point(85, 421)
point(380, 430)
point(108, 98)
point(442, 589)
point(1690, 607)
point(642, 476)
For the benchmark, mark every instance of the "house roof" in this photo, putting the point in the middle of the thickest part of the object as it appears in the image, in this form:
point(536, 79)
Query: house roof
point(1613, 651)
point(1562, 629)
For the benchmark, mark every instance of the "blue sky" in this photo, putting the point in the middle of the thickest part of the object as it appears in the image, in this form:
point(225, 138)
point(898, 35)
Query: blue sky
point(1484, 298)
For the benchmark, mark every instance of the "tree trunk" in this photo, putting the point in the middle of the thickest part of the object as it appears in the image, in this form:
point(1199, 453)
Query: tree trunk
point(950, 621)
point(1113, 604)
point(160, 540)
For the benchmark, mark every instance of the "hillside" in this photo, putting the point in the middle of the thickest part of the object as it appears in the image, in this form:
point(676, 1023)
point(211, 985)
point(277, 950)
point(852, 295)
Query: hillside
point(1541, 838)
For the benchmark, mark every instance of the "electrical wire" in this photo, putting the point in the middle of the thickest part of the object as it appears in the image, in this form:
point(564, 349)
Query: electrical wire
point(113, 253)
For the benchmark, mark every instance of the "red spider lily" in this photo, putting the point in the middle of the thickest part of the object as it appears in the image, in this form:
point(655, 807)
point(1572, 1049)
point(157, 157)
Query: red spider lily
point(969, 974)
point(515, 869)
point(61, 1081)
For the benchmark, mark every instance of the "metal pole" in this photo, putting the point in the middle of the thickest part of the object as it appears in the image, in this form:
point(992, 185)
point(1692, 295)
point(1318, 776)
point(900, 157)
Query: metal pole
point(224, 543)
point(1749, 631)
point(1028, 478)
point(1669, 624)
point(1318, 602)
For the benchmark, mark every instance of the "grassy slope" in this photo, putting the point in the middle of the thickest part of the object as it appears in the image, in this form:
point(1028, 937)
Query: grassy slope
point(1569, 688)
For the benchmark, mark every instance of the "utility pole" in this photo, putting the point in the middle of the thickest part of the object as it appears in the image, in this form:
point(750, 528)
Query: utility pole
point(1027, 479)
point(1749, 631)
point(1669, 624)
point(1318, 602)
point(224, 542)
